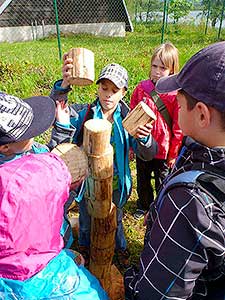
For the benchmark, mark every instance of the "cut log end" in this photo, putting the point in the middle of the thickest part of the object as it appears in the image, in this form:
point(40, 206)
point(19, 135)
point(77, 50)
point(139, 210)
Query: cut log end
point(74, 158)
point(98, 125)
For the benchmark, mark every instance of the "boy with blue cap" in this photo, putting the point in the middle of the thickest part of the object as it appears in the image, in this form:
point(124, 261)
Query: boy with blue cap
point(184, 250)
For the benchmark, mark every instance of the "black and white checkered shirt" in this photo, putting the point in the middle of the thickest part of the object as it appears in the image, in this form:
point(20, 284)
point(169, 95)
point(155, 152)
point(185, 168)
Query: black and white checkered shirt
point(184, 251)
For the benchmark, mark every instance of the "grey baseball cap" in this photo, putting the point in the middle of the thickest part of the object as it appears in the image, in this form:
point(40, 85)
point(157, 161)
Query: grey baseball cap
point(24, 119)
point(115, 73)
point(202, 77)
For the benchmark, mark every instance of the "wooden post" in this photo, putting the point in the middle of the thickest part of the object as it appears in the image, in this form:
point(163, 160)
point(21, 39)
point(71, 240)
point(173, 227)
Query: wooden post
point(97, 146)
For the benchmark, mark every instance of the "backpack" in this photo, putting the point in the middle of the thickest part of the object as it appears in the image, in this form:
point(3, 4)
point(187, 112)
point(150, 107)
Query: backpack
point(207, 180)
point(212, 182)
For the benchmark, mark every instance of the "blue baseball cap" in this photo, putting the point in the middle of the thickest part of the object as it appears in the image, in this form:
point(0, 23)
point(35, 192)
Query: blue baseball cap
point(202, 77)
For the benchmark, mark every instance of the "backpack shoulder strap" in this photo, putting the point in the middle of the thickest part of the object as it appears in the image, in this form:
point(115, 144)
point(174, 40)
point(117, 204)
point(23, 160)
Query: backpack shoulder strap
point(183, 178)
point(161, 108)
point(124, 108)
point(209, 182)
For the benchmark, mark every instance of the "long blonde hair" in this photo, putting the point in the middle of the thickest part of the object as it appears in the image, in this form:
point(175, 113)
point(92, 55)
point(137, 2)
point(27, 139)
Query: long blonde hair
point(168, 54)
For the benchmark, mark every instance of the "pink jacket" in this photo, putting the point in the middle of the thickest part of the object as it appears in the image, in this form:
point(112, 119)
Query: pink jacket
point(33, 190)
point(168, 141)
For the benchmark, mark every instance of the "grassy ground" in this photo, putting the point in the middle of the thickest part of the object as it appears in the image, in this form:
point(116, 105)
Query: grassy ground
point(30, 68)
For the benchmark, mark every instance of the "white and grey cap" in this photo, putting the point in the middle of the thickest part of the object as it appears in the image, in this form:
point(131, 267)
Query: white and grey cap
point(115, 73)
point(24, 119)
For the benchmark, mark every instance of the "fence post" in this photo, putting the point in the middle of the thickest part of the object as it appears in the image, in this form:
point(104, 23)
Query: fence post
point(57, 28)
point(167, 13)
point(164, 18)
point(221, 19)
point(207, 20)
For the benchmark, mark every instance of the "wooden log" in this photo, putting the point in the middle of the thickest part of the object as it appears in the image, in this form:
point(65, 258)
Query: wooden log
point(97, 135)
point(100, 162)
point(96, 144)
point(98, 193)
point(140, 115)
point(75, 159)
point(83, 72)
point(102, 247)
point(117, 291)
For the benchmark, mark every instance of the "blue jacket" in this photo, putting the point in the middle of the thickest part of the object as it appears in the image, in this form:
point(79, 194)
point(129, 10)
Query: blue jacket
point(144, 149)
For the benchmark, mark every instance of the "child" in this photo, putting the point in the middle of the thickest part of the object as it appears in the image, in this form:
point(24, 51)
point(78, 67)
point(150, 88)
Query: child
point(112, 87)
point(165, 129)
point(184, 252)
point(33, 263)
point(20, 122)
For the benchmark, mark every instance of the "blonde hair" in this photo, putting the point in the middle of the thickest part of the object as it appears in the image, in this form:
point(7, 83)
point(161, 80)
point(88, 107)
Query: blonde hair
point(168, 54)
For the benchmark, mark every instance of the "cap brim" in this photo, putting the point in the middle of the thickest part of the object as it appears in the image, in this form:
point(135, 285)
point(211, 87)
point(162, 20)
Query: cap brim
point(167, 84)
point(111, 79)
point(44, 110)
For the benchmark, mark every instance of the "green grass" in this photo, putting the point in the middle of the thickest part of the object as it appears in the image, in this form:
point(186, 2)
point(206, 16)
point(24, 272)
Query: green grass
point(30, 68)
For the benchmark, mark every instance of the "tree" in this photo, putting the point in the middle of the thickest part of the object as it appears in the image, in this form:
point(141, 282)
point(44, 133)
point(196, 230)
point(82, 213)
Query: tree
point(179, 8)
point(215, 10)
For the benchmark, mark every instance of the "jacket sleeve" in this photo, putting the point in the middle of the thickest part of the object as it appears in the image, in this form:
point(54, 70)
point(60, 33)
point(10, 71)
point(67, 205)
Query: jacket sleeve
point(174, 254)
point(177, 136)
point(58, 93)
point(60, 133)
point(145, 150)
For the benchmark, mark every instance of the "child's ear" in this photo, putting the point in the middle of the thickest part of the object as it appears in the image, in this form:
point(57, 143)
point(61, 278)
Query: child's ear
point(204, 114)
point(4, 148)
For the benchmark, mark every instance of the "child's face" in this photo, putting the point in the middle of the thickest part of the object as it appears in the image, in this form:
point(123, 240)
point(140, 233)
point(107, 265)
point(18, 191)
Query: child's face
point(109, 95)
point(158, 70)
point(19, 147)
point(186, 117)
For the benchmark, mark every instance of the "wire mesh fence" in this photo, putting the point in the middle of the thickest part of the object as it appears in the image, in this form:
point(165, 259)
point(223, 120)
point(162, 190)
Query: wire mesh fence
point(34, 19)
point(22, 20)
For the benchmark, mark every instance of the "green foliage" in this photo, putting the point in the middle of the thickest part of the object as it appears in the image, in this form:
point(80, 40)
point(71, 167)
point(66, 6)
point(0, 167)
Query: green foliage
point(179, 8)
point(215, 9)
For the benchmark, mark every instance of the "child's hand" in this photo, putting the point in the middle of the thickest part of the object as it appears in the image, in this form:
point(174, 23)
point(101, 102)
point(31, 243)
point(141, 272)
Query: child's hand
point(76, 184)
point(80, 260)
point(62, 113)
point(144, 131)
point(171, 162)
point(66, 73)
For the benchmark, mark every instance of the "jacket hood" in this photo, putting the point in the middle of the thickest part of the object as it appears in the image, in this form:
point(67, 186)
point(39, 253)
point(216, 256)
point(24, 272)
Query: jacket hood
point(33, 190)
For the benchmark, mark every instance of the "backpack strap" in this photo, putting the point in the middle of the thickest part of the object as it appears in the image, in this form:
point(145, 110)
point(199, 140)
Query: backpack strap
point(185, 178)
point(161, 108)
point(124, 108)
point(209, 182)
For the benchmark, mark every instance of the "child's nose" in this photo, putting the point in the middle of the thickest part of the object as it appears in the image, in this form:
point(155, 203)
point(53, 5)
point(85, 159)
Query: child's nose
point(109, 94)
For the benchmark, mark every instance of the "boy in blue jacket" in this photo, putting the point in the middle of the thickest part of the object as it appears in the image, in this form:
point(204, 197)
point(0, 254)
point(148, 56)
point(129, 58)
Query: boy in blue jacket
point(112, 87)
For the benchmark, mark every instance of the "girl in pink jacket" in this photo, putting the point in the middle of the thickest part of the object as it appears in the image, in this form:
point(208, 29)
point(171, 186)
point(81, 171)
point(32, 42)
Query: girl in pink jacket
point(165, 130)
